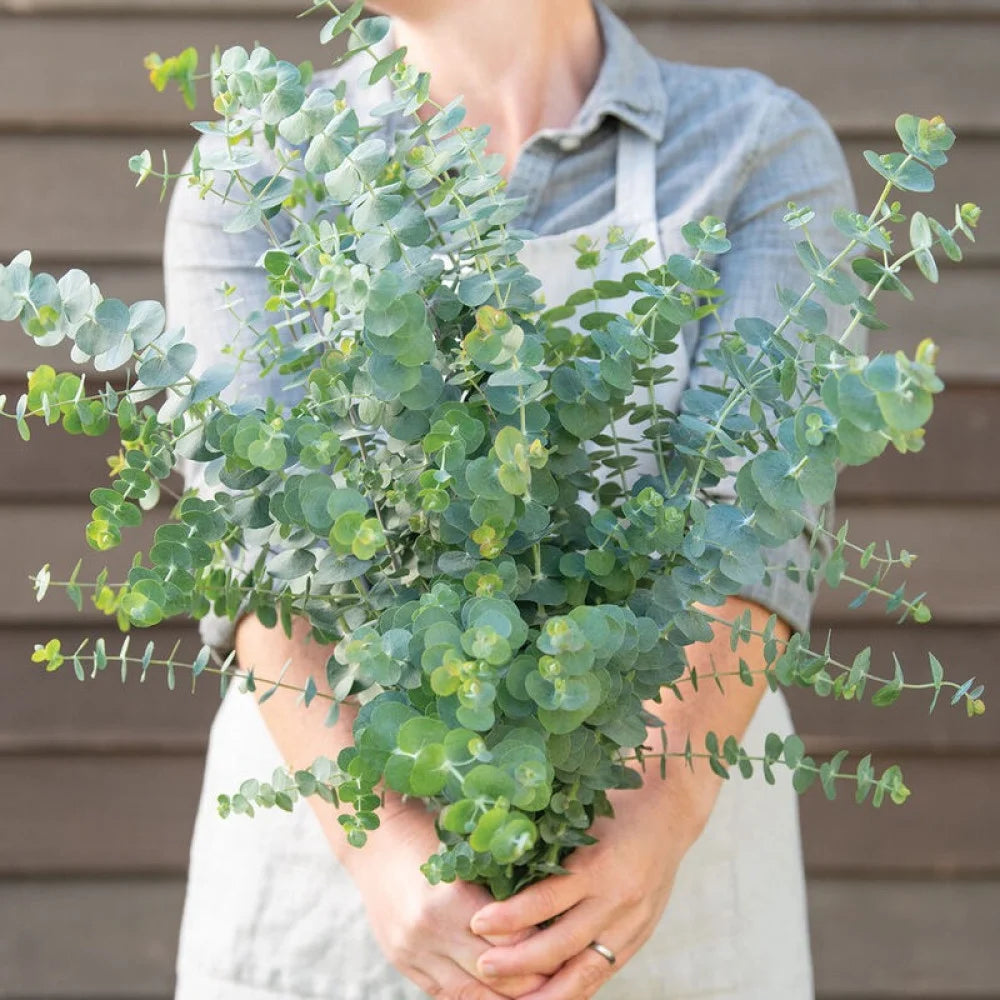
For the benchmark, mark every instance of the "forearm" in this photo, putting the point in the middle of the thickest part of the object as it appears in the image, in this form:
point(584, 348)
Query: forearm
point(689, 793)
point(301, 735)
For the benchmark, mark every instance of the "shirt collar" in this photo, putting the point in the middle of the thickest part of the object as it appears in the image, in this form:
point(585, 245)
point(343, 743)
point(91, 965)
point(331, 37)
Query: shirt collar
point(629, 84)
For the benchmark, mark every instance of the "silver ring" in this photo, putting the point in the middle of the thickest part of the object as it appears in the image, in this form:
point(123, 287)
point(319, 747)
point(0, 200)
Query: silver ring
point(603, 951)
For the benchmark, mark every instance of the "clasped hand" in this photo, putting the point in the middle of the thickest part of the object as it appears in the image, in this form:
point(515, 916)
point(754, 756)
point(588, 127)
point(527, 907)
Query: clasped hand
point(455, 943)
point(615, 893)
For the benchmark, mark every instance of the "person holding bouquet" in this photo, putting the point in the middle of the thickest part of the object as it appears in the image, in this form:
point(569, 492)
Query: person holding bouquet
point(693, 880)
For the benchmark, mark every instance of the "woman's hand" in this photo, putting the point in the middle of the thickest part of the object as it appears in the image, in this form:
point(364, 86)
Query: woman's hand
point(423, 929)
point(615, 893)
point(618, 888)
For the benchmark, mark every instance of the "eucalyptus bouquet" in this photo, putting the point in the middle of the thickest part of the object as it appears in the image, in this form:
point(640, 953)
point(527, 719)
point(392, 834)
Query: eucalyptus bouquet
point(454, 497)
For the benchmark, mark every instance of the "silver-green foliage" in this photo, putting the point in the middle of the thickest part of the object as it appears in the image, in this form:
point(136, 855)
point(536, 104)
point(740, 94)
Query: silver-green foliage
point(428, 502)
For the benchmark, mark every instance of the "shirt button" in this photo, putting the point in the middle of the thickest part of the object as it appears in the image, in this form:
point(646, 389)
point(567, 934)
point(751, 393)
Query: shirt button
point(569, 143)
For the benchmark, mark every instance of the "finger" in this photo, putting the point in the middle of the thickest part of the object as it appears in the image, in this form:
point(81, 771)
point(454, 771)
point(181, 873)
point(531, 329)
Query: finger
point(454, 983)
point(548, 949)
point(515, 986)
point(465, 954)
point(529, 907)
point(579, 979)
point(505, 940)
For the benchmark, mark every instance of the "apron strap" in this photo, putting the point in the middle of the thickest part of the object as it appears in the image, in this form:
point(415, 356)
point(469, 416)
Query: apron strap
point(635, 176)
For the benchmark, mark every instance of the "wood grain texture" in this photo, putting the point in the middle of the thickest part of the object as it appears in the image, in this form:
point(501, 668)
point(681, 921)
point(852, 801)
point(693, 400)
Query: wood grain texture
point(913, 939)
point(956, 558)
point(946, 828)
point(966, 424)
point(92, 213)
point(98, 814)
point(963, 430)
point(113, 814)
point(55, 465)
point(55, 713)
point(874, 78)
point(959, 315)
point(906, 727)
point(113, 940)
point(955, 561)
point(115, 223)
point(111, 89)
point(32, 535)
point(100, 780)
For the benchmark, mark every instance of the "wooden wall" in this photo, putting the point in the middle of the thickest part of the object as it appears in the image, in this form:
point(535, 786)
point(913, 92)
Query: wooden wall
point(98, 783)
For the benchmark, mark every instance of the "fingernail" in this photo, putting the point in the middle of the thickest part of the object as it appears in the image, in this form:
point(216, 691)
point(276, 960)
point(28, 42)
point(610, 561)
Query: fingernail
point(488, 969)
point(480, 925)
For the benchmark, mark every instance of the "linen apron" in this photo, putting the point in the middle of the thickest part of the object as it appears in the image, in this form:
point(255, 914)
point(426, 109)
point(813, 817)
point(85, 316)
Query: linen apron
point(271, 915)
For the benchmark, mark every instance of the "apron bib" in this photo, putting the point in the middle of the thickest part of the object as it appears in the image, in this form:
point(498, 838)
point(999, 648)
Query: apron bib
point(271, 915)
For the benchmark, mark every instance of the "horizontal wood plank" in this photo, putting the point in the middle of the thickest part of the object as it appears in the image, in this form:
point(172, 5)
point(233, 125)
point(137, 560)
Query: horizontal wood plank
point(115, 814)
point(99, 940)
point(947, 827)
point(55, 465)
point(98, 216)
point(34, 534)
point(141, 917)
point(955, 561)
point(889, 940)
point(111, 88)
point(58, 466)
point(957, 551)
point(54, 713)
point(98, 813)
point(115, 939)
point(916, 71)
point(958, 314)
point(91, 214)
point(886, 76)
point(966, 177)
point(906, 726)
point(962, 431)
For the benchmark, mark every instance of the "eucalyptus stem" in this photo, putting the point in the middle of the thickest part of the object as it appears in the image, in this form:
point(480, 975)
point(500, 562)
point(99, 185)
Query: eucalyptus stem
point(502, 648)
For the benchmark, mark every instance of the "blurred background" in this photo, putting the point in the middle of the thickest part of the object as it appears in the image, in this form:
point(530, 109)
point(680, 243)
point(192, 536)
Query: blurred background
point(98, 782)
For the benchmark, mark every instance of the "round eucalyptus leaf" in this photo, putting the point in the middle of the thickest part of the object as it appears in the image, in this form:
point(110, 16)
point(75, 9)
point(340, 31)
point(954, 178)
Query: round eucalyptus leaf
point(291, 564)
point(94, 339)
point(159, 372)
point(771, 474)
point(146, 320)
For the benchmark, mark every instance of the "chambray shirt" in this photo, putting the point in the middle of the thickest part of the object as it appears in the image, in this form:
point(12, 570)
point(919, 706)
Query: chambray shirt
point(731, 143)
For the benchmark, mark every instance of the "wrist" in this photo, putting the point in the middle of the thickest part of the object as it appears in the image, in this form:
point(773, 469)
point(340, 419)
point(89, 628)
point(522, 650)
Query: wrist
point(681, 800)
point(679, 795)
point(406, 828)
